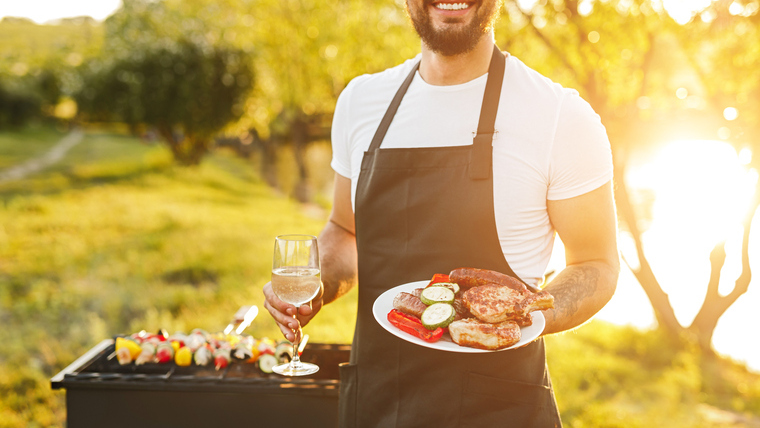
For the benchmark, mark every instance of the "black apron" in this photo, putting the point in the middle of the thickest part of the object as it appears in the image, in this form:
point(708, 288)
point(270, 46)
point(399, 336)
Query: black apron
point(421, 211)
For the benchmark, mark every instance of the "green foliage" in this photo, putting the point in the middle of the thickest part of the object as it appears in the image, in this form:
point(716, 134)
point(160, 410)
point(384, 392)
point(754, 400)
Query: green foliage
point(727, 65)
point(18, 108)
point(186, 91)
point(37, 66)
point(611, 376)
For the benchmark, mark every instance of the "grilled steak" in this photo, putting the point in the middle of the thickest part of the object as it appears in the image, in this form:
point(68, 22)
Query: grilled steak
point(493, 303)
point(536, 302)
point(477, 334)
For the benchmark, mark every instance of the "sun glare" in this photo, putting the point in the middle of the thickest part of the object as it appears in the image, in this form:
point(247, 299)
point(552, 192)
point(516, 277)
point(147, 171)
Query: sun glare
point(683, 10)
point(700, 192)
point(42, 11)
point(702, 189)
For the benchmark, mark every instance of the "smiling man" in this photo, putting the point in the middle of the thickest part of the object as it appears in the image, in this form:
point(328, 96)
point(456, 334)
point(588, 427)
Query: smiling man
point(460, 157)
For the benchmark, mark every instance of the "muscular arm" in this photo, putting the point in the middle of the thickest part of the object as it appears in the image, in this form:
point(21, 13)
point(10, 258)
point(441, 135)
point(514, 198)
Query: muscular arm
point(337, 244)
point(588, 228)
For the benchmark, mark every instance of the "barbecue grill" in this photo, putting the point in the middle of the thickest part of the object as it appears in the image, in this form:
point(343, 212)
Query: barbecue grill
point(102, 393)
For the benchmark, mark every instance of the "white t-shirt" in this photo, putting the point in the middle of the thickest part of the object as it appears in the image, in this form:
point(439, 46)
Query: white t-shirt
point(550, 145)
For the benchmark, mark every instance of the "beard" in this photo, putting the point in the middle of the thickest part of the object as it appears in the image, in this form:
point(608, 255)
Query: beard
point(450, 42)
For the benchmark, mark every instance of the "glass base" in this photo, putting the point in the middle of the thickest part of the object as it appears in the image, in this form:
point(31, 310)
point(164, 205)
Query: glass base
point(300, 369)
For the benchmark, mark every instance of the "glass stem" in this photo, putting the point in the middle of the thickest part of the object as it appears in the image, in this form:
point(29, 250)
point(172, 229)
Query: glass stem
point(295, 362)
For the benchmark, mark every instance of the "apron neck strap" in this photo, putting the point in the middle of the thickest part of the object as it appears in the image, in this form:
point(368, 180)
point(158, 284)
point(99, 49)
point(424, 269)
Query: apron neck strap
point(391, 112)
point(480, 157)
point(482, 153)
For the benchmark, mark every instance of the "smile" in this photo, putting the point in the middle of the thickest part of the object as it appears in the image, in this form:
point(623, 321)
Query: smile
point(451, 6)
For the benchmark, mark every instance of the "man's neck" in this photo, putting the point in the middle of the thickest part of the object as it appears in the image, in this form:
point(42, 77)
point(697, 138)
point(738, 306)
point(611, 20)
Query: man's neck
point(440, 70)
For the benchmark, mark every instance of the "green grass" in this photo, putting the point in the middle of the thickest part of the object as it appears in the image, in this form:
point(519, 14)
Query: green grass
point(19, 146)
point(115, 239)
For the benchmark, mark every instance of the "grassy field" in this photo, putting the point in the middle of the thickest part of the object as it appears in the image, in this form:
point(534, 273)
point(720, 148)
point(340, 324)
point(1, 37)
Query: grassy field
point(115, 239)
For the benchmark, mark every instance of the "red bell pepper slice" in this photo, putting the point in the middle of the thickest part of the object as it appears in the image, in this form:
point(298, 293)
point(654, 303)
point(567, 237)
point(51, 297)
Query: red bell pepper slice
point(412, 325)
point(438, 278)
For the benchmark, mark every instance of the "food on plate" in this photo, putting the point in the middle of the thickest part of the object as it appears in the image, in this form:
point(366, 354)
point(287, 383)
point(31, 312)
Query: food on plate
point(437, 294)
point(536, 302)
point(495, 303)
point(413, 325)
point(438, 315)
point(410, 304)
point(472, 277)
point(482, 335)
point(480, 308)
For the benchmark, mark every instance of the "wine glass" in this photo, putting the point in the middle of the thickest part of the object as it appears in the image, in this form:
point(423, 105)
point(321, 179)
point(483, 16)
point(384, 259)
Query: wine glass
point(296, 280)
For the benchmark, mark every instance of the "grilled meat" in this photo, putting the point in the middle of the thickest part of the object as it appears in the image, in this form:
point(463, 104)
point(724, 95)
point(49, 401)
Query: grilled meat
point(409, 304)
point(493, 303)
point(535, 302)
point(472, 277)
point(477, 334)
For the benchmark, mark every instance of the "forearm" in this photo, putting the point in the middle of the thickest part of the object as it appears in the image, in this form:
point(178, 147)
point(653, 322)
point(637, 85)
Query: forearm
point(580, 291)
point(338, 257)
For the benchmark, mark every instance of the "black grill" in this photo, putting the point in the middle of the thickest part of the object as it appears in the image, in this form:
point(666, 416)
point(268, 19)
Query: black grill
point(102, 393)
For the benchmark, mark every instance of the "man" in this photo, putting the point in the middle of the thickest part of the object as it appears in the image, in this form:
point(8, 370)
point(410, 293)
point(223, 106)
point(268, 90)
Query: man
point(416, 194)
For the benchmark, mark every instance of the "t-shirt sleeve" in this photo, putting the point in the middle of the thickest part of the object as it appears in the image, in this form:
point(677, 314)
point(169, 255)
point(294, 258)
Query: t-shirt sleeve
point(581, 157)
point(341, 154)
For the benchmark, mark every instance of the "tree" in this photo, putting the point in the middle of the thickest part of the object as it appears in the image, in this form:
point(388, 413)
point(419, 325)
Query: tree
point(186, 91)
point(728, 65)
point(620, 54)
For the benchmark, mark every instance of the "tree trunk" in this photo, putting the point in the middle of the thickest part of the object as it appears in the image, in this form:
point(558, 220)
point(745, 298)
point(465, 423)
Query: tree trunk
point(300, 132)
point(268, 162)
point(715, 305)
point(663, 310)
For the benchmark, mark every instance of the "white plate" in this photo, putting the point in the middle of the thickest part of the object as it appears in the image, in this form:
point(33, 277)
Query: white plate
point(384, 304)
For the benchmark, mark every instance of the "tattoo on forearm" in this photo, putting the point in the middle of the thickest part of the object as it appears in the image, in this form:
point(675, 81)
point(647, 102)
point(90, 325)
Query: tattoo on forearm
point(572, 287)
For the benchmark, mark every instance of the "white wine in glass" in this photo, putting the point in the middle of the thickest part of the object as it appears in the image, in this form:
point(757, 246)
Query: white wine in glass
point(295, 280)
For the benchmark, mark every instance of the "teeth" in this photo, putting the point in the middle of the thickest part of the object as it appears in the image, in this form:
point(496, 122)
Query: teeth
point(451, 6)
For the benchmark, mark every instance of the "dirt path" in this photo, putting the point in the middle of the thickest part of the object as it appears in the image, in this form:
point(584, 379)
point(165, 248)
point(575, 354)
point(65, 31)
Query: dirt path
point(43, 161)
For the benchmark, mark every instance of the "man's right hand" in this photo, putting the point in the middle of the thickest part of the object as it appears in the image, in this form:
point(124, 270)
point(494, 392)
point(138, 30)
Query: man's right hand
point(283, 312)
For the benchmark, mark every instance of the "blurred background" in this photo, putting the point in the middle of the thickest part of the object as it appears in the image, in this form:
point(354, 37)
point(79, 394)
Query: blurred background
point(150, 150)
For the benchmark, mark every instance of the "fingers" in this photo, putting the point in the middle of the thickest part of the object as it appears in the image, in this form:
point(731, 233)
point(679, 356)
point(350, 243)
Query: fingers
point(307, 311)
point(281, 312)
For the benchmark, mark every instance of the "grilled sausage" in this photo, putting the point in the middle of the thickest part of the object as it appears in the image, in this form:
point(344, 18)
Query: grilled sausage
point(409, 304)
point(472, 277)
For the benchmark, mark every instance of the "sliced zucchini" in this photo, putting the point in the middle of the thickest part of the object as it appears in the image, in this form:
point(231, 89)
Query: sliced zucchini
point(453, 286)
point(436, 294)
point(438, 315)
point(266, 362)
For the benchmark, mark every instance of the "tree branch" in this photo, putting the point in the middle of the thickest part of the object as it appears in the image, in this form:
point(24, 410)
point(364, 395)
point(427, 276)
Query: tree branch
point(555, 50)
point(660, 301)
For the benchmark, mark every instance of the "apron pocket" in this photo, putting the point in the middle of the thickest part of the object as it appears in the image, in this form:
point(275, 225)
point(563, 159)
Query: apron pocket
point(348, 395)
point(491, 401)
